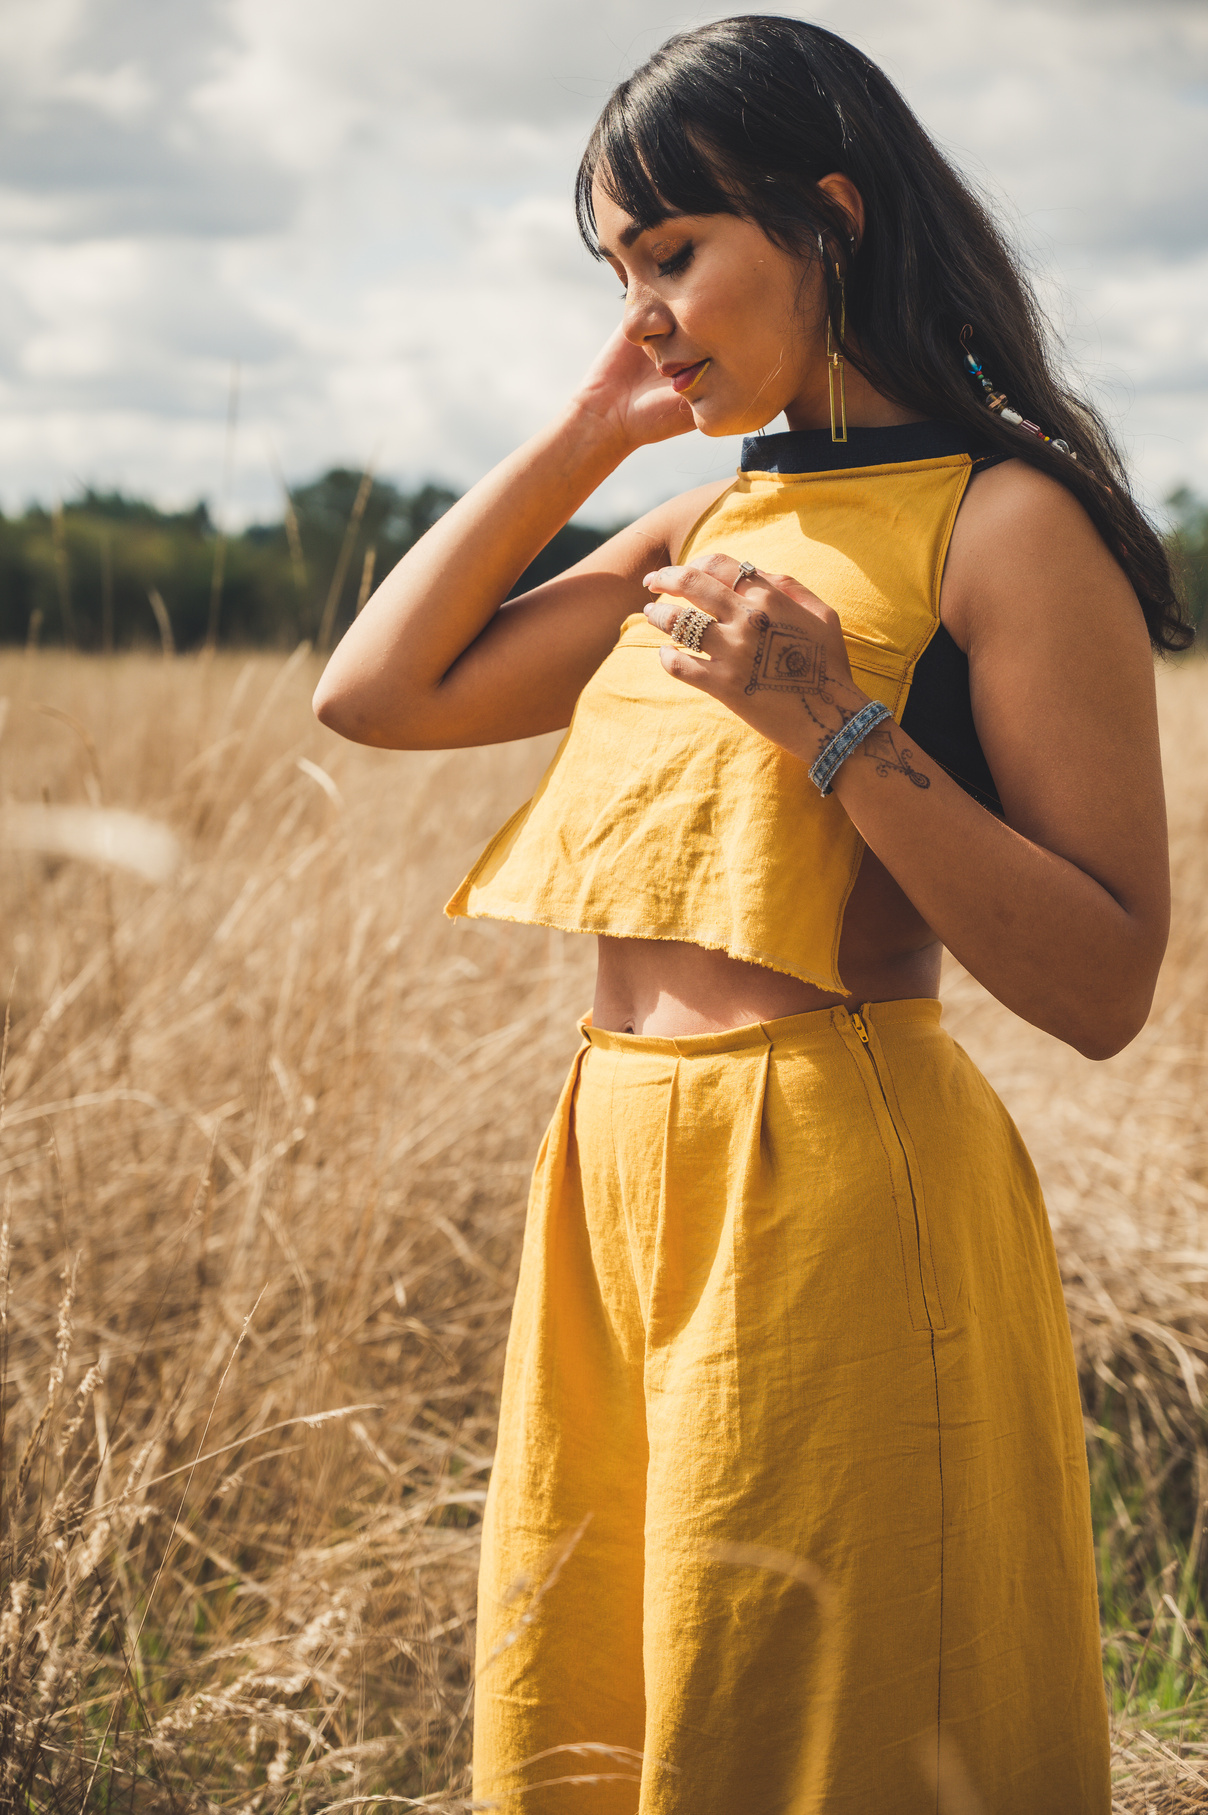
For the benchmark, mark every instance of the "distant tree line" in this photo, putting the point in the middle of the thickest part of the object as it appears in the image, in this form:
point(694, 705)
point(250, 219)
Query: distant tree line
point(110, 572)
point(1188, 544)
point(105, 571)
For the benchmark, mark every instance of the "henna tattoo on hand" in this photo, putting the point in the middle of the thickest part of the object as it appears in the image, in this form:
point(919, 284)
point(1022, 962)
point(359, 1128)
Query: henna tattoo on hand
point(789, 661)
point(786, 661)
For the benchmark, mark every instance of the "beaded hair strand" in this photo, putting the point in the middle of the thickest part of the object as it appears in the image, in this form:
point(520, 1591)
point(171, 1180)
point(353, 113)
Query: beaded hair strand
point(745, 116)
point(997, 401)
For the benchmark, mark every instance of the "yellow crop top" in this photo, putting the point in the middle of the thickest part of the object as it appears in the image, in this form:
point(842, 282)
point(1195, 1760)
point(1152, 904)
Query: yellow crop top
point(662, 814)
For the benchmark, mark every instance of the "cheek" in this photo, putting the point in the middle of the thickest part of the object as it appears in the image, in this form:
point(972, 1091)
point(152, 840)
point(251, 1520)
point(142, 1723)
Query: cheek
point(775, 305)
point(749, 322)
point(716, 307)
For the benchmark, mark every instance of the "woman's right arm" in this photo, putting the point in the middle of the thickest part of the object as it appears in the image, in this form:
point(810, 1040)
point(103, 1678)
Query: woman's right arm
point(435, 660)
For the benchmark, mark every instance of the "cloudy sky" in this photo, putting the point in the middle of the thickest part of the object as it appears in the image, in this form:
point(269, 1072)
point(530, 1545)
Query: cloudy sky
point(366, 203)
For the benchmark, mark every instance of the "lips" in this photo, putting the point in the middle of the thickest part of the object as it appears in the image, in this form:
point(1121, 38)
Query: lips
point(684, 379)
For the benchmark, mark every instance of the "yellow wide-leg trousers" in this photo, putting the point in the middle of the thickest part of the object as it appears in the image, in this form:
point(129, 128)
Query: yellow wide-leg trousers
point(790, 1511)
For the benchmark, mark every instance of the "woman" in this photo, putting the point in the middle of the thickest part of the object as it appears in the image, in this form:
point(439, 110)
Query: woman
point(790, 1508)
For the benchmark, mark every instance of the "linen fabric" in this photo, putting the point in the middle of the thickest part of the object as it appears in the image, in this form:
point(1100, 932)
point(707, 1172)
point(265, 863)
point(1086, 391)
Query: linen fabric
point(790, 1509)
point(665, 816)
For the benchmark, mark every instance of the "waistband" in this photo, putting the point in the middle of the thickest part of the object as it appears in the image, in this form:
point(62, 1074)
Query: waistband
point(787, 1034)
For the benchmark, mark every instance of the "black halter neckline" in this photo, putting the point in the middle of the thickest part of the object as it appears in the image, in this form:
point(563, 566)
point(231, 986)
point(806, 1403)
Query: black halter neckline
point(813, 451)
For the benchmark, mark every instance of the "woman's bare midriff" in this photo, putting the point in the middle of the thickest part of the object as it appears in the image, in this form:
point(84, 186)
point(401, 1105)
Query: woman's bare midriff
point(665, 987)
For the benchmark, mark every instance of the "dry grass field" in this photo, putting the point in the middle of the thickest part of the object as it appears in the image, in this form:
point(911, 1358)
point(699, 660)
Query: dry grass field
point(266, 1137)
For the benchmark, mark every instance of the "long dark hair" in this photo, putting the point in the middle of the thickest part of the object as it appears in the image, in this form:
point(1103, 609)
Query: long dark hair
point(743, 117)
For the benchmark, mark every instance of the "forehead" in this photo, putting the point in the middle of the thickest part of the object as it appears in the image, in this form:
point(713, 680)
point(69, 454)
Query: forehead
point(616, 226)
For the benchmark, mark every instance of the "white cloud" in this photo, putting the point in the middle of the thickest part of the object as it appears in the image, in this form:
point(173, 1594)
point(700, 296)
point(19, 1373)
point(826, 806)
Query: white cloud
point(368, 206)
point(123, 94)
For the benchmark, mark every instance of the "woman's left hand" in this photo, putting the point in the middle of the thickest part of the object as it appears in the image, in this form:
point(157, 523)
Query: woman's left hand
point(776, 654)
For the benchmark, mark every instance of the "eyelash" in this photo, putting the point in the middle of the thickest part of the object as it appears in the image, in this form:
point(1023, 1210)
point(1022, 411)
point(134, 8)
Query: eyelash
point(683, 258)
point(672, 267)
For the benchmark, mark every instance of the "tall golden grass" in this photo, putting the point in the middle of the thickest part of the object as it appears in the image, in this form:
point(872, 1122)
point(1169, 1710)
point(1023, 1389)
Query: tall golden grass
point(266, 1137)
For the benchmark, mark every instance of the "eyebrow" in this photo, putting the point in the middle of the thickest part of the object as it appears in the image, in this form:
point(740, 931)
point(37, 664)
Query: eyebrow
point(637, 228)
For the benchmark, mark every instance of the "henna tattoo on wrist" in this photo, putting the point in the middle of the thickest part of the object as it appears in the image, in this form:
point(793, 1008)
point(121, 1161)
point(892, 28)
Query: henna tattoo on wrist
point(889, 758)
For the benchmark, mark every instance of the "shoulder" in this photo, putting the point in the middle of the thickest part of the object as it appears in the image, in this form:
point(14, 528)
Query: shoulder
point(1026, 560)
point(670, 524)
point(1061, 676)
point(653, 540)
point(1013, 499)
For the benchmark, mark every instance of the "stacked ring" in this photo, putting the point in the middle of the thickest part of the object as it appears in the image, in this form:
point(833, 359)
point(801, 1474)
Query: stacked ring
point(689, 628)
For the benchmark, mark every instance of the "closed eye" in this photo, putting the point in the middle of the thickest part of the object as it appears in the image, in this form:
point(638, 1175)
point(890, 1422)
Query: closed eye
point(672, 267)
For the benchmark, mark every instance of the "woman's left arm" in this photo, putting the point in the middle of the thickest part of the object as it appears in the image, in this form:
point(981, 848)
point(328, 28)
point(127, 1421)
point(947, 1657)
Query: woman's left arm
point(1062, 911)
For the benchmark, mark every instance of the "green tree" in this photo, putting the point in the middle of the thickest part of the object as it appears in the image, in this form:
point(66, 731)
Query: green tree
point(1188, 544)
point(85, 574)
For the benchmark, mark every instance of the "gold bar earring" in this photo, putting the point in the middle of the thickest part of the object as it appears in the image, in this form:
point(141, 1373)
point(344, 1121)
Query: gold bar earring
point(834, 368)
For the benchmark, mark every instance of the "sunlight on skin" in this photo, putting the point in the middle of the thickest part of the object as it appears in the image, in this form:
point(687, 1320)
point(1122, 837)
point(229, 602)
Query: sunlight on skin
point(715, 288)
point(433, 662)
point(738, 325)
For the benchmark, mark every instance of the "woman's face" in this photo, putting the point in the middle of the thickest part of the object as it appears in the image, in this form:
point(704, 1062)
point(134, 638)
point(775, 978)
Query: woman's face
point(736, 322)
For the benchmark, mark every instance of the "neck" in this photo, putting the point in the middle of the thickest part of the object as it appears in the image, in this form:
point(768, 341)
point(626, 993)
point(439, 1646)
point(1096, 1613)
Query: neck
point(866, 407)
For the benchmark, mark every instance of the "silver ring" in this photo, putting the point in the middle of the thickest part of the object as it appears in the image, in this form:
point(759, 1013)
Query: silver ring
point(689, 627)
point(746, 572)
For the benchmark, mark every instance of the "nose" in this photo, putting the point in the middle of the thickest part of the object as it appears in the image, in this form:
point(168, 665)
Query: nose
point(646, 318)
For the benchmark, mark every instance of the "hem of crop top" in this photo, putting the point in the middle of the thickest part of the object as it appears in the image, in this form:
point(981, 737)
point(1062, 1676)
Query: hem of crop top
point(792, 453)
point(831, 987)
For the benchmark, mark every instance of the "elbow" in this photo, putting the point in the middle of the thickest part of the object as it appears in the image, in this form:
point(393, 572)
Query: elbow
point(1114, 1022)
point(335, 711)
point(345, 706)
point(1107, 997)
point(352, 712)
point(341, 712)
point(1105, 1042)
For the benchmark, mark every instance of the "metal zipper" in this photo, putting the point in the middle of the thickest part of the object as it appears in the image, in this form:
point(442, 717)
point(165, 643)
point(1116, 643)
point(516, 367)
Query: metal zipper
point(858, 1023)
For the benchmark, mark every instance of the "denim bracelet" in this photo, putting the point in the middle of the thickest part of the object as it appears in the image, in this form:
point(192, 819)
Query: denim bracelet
point(822, 772)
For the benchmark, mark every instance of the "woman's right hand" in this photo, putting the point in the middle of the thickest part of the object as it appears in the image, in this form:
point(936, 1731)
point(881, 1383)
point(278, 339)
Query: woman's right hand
point(623, 390)
point(432, 662)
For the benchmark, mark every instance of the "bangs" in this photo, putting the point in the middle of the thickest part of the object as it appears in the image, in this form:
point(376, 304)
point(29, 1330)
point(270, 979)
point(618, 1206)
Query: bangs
point(648, 163)
point(745, 117)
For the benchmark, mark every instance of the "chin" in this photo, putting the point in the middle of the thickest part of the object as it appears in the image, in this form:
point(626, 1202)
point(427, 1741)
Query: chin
point(715, 419)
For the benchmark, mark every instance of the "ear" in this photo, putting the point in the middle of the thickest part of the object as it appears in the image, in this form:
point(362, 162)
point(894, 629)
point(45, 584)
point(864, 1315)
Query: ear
point(842, 190)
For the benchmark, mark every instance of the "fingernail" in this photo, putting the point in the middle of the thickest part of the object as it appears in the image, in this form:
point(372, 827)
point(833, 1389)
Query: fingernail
point(650, 580)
